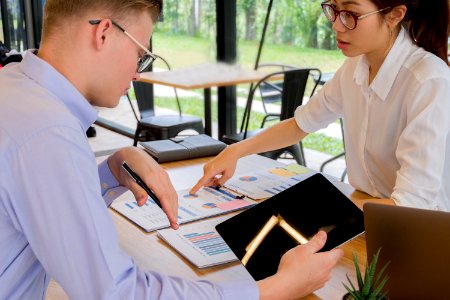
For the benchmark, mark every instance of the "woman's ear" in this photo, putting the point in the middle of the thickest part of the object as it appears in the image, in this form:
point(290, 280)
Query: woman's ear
point(396, 15)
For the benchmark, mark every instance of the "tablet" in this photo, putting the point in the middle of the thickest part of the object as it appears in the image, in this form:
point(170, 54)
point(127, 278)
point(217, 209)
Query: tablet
point(260, 235)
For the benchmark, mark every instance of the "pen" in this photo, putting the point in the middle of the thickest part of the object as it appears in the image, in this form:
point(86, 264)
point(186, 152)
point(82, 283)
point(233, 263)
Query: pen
point(141, 183)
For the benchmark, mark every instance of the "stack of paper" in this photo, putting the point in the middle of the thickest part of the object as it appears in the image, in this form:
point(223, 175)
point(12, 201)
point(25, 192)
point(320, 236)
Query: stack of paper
point(199, 243)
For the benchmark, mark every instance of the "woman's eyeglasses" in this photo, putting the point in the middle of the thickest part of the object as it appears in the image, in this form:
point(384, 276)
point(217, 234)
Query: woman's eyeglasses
point(348, 19)
point(145, 60)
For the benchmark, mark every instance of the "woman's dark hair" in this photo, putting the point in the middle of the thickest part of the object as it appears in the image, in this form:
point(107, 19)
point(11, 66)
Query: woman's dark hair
point(427, 22)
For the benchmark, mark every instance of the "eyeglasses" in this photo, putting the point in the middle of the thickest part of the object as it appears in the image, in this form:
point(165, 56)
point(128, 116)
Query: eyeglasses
point(348, 18)
point(145, 60)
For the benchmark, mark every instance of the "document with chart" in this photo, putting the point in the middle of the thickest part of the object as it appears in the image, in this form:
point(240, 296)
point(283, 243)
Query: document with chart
point(205, 203)
point(265, 183)
point(199, 243)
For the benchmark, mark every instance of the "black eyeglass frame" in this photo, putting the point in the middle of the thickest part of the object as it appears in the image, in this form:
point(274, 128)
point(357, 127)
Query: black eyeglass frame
point(336, 12)
point(145, 60)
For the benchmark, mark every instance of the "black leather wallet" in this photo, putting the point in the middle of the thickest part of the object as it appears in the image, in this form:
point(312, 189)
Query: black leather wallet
point(180, 148)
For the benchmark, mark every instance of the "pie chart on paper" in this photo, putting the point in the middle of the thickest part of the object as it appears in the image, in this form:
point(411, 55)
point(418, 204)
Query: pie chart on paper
point(248, 178)
point(209, 205)
point(190, 196)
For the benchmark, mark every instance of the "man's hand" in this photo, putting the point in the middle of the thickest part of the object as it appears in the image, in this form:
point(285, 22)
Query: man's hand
point(151, 173)
point(301, 271)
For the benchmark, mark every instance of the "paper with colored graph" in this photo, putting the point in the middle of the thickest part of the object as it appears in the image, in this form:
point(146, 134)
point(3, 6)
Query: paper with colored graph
point(199, 243)
point(264, 183)
point(206, 203)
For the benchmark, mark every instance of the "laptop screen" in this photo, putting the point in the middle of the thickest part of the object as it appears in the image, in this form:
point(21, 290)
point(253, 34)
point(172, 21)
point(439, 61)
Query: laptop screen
point(260, 235)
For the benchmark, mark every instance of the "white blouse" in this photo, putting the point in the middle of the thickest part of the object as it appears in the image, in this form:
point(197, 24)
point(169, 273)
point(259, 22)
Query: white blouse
point(396, 129)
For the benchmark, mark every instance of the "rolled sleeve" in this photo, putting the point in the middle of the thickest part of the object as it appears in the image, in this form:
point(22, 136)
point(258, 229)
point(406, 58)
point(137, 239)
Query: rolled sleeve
point(323, 108)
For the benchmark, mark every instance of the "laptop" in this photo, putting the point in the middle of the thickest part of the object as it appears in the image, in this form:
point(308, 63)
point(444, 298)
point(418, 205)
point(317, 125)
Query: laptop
point(417, 244)
point(260, 235)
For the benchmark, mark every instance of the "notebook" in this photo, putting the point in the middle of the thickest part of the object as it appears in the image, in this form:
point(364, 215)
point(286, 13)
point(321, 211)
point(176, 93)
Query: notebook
point(183, 148)
point(260, 235)
point(417, 244)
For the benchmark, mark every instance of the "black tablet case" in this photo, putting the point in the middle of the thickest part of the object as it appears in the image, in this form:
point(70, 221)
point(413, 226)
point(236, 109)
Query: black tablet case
point(307, 206)
point(183, 148)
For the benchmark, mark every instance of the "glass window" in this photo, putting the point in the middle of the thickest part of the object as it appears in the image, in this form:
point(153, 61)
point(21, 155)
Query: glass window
point(2, 37)
point(16, 21)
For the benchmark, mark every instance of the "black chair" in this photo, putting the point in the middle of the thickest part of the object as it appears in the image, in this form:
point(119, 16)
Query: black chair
point(151, 127)
point(322, 166)
point(270, 92)
point(292, 92)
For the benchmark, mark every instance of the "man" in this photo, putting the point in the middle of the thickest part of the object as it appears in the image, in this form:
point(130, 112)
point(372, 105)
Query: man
point(54, 221)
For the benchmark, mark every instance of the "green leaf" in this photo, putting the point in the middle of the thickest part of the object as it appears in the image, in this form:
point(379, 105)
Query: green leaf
point(381, 273)
point(369, 274)
point(370, 287)
point(358, 272)
point(353, 293)
point(351, 284)
point(378, 289)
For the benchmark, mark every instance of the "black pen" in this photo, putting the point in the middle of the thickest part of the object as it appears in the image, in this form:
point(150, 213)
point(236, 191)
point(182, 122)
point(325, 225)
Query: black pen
point(141, 183)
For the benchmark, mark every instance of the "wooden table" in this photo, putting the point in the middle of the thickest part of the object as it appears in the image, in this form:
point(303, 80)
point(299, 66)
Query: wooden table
point(204, 76)
point(153, 254)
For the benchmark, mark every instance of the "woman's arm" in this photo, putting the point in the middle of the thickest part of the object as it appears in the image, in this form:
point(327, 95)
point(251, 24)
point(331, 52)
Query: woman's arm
point(281, 135)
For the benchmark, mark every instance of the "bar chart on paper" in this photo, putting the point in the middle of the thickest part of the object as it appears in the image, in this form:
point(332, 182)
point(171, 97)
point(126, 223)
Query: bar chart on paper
point(209, 242)
point(199, 243)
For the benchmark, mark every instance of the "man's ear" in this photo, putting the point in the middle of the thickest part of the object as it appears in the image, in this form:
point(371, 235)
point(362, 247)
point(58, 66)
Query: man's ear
point(396, 15)
point(102, 32)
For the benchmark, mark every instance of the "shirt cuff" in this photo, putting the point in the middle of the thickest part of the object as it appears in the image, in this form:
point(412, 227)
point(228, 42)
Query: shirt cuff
point(110, 187)
point(244, 289)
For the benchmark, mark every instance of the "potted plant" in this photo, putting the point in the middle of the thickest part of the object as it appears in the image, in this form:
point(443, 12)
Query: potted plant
point(370, 287)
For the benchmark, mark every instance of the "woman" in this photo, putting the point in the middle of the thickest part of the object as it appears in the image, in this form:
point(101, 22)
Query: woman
point(393, 95)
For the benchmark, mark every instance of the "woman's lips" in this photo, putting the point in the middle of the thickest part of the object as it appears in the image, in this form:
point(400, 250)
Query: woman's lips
point(342, 45)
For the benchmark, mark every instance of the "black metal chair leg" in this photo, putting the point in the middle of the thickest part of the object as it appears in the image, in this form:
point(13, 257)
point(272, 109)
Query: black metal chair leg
point(136, 135)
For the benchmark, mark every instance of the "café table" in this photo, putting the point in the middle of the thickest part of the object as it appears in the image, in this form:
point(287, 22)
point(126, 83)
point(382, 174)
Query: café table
point(204, 76)
point(151, 253)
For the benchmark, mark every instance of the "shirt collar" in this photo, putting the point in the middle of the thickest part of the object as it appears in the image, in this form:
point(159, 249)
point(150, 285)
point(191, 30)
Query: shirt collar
point(390, 68)
point(49, 78)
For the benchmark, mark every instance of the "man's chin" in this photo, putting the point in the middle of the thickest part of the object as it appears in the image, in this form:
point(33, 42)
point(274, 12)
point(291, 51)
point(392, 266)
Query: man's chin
point(105, 103)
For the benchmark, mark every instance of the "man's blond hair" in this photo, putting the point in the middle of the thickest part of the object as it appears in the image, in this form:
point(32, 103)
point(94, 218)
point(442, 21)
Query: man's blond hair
point(58, 11)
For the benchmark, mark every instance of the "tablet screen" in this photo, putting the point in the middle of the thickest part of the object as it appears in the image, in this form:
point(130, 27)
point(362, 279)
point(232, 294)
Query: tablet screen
point(260, 235)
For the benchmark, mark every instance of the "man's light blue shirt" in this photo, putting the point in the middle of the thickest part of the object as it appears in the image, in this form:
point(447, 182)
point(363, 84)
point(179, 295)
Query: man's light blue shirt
point(53, 220)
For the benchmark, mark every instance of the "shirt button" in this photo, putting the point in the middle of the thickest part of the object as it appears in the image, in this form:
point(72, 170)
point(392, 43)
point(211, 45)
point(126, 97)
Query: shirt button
point(105, 186)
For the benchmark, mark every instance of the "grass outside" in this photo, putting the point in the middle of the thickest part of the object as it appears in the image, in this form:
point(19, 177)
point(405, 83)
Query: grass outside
point(197, 50)
point(182, 50)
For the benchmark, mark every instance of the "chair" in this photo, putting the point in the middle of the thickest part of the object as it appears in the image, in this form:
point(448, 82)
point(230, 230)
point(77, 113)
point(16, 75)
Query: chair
point(150, 127)
point(322, 166)
point(292, 92)
point(270, 92)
